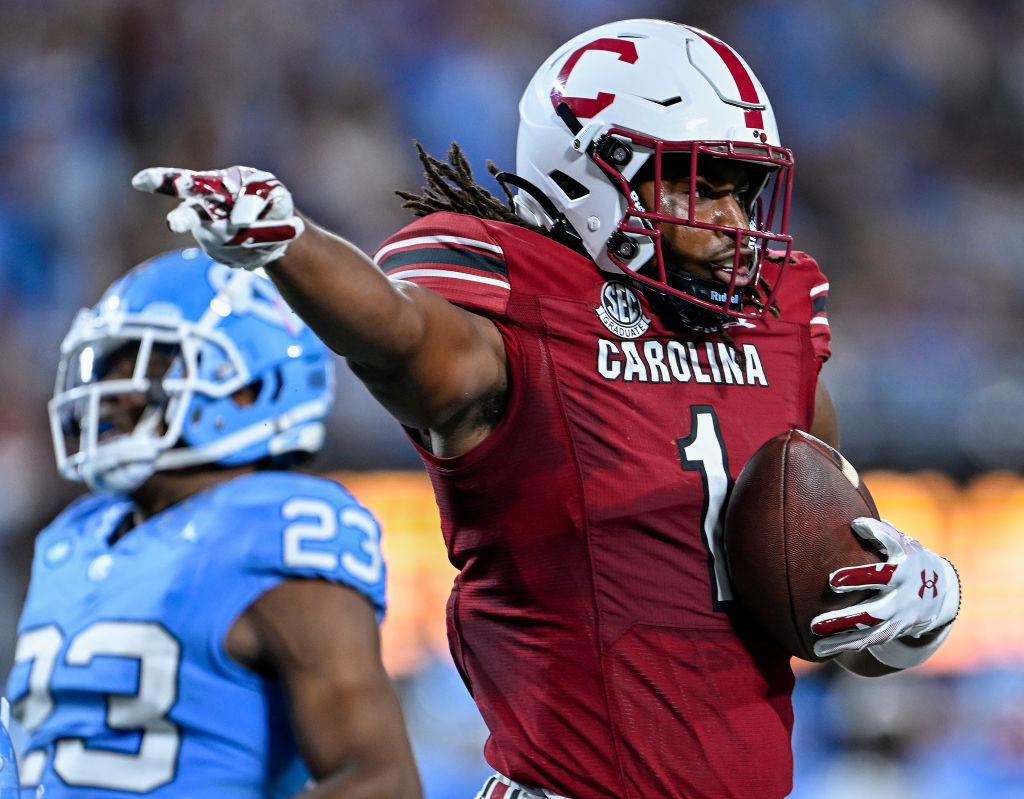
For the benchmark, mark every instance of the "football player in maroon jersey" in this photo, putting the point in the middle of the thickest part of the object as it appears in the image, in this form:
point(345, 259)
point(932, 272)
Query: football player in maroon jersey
point(584, 373)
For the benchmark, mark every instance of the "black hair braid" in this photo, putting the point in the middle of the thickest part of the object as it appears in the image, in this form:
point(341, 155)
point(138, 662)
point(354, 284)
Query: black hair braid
point(451, 187)
point(766, 287)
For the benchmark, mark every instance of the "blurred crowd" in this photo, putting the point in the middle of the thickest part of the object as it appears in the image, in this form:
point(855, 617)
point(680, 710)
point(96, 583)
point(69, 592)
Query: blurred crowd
point(904, 117)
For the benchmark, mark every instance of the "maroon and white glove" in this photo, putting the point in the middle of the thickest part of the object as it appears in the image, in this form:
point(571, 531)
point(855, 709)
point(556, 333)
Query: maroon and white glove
point(240, 216)
point(917, 592)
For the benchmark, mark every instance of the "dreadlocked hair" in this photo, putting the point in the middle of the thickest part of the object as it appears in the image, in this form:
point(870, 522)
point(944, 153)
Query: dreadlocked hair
point(451, 187)
point(766, 287)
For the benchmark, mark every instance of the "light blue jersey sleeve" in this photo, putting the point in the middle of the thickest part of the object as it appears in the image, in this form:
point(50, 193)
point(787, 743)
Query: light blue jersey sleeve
point(276, 526)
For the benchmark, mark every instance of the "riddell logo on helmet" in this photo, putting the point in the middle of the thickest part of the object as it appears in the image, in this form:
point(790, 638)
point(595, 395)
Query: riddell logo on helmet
point(722, 296)
point(620, 311)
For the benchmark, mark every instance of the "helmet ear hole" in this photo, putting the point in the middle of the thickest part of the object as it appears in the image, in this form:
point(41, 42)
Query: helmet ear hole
point(570, 187)
point(248, 395)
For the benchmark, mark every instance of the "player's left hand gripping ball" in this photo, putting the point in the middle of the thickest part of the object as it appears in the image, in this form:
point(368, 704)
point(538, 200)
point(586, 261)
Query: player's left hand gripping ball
point(917, 592)
point(240, 216)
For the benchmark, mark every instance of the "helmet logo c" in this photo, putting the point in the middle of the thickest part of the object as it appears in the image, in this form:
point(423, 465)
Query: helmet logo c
point(589, 107)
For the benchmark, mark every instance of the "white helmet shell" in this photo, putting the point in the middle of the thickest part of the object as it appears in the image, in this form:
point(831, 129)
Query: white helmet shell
point(668, 83)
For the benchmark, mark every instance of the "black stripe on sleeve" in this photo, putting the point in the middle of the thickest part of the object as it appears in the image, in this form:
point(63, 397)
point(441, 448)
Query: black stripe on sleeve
point(449, 256)
point(818, 304)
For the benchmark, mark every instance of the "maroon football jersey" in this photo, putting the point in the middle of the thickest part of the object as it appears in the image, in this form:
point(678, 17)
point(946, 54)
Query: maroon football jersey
point(591, 617)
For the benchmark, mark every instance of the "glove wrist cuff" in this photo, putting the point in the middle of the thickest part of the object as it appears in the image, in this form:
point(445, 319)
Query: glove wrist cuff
point(254, 259)
point(959, 598)
point(951, 599)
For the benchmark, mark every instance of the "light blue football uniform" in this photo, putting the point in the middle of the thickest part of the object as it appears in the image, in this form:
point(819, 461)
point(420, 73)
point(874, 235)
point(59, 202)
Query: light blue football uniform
point(120, 675)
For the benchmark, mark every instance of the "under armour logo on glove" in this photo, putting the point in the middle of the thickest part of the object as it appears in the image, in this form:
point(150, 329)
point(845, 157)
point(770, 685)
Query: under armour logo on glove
point(926, 584)
point(240, 216)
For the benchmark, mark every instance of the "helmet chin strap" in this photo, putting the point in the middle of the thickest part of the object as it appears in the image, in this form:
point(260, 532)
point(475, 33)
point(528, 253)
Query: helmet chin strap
point(704, 289)
point(693, 318)
point(124, 478)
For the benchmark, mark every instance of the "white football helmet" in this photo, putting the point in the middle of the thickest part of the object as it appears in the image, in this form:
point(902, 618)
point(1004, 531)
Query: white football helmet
point(613, 98)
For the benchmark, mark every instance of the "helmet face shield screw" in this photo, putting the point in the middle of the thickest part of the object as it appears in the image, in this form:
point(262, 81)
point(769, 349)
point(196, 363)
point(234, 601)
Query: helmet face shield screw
point(614, 151)
point(619, 155)
point(623, 246)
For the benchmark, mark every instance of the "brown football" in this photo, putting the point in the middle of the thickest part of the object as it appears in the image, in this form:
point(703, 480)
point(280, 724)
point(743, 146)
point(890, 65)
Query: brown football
point(787, 527)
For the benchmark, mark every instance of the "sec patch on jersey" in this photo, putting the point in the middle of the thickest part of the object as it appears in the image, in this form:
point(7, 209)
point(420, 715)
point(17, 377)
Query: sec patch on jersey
point(787, 528)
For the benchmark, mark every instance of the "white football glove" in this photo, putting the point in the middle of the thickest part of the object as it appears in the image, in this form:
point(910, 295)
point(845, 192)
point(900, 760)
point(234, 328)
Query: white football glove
point(240, 216)
point(917, 592)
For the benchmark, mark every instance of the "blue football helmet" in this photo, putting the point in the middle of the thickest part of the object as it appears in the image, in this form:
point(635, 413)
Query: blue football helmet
point(8, 763)
point(219, 368)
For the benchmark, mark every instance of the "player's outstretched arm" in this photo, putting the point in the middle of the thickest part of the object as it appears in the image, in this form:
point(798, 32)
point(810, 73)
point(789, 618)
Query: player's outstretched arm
point(427, 361)
point(916, 598)
point(321, 641)
point(430, 363)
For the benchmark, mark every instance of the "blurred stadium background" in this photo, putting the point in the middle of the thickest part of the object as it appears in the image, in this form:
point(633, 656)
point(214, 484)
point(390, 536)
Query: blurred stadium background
point(905, 118)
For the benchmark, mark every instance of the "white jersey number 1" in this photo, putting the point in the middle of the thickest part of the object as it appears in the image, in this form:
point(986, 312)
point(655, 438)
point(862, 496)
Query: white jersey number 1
point(703, 451)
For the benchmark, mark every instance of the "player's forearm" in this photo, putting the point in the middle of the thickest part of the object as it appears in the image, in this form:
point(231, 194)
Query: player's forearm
point(381, 783)
point(345, 298)
point(352, 737)
point(426, 360)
